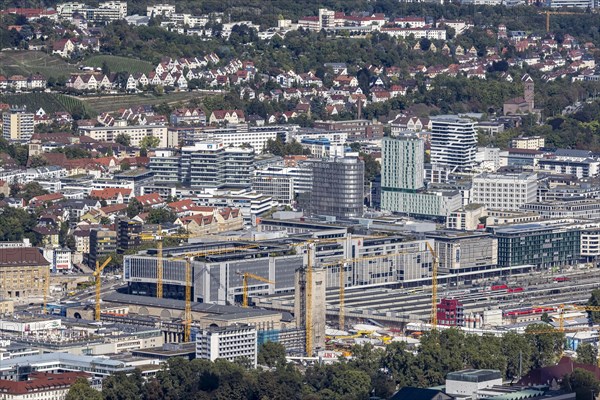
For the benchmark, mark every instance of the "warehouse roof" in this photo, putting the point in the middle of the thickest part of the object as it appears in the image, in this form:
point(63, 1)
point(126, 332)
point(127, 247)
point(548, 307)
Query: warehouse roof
point(224, 312)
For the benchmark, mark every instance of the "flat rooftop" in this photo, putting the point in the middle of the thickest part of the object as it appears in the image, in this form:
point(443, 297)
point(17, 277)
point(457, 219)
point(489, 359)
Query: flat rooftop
point(474, 375)
point(223, 312)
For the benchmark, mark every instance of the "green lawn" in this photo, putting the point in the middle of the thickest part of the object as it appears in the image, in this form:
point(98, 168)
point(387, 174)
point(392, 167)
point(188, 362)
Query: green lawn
point(119, 64)
point(30, 62)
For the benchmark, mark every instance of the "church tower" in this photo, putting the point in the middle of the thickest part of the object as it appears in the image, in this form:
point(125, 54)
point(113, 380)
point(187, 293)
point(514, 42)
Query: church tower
point(528, 91)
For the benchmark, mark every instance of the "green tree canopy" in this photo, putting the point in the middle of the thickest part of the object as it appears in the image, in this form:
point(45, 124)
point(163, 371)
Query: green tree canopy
point(583, 383)
point(271, 354)
point(81, 390)
point(149, 142)
point(37, 161)
point(547, 344)
point(160, 216)
point(31, 190)
point(134, 208)
point(123, 139)
point(594, 301)
point(587, 354)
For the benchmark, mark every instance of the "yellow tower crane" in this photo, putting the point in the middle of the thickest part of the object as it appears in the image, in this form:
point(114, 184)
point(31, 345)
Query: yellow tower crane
point(308, 328)
point(310, 249)
point(343, 264)
point(561, 313)
point(245, 277)
point(548, 13)
point(46, 290)
point(434, 283)
point(97, 277)
point(309, 281)
point(158, 237)
point(187, 317)
point(188, 301)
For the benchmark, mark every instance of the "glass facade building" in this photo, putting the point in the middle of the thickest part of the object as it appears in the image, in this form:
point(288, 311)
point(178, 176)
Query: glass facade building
point(338, 188)
point(536, 244)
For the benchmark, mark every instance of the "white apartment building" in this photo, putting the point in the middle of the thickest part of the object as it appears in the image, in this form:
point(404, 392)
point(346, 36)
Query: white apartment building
point(106, 11)
point(505, 191)
point(301, 175)
point(280, 188)
point(417, 33)
point(59, 258)
point(528, 142)
point(236, 342)
point(135, 132)
point(590, 243)
point(334, 137)
point(165, 10)
point(242, 134)
point(583, 4)
point(488, 158)
point(466, 218)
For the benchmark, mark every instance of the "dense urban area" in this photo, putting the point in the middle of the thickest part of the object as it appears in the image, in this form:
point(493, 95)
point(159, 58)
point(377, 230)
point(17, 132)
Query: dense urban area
point(277, 200)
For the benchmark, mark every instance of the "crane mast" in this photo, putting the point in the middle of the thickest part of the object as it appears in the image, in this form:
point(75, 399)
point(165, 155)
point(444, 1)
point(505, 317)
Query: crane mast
point(188, 300)
point(97, 274)
point(434, 271)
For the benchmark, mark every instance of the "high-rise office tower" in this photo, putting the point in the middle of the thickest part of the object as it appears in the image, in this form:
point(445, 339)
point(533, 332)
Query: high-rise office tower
point(403, 163)
point(402, 176)
point(338, 187)
point(453, 142)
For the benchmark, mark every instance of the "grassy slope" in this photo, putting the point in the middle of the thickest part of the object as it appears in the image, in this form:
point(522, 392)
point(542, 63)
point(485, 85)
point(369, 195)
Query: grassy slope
point(119, 64)
point(112, 103)
point(50, 102)
point(31, 62)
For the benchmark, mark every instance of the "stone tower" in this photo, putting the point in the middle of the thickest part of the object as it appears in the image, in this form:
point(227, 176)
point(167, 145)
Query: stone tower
point(528, 91)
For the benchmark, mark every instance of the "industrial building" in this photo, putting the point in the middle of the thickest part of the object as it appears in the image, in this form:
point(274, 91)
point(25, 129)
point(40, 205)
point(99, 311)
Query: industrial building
point(462, 251)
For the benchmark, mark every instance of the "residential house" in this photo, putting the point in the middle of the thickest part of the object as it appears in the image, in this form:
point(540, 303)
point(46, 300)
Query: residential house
point(226, 116)
point(112, 195)
point(63, 47)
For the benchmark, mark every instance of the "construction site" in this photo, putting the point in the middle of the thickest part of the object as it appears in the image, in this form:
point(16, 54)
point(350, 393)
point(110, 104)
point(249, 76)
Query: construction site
point(316, 294)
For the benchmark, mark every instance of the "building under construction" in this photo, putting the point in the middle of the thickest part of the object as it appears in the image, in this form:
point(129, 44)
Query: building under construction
point(217, 272)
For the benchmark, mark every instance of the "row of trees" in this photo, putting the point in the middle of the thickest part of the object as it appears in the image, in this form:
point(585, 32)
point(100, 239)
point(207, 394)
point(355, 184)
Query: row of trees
point(371, 370)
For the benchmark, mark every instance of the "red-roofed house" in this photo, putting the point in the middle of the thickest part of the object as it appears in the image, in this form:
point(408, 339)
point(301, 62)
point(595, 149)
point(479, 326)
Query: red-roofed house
point(41, 385)
point(63, 47)
point(229, 116)
point(112, 195)
point(187, 207)
point(45, 199)
point(212, 220)
point(151, 200)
